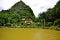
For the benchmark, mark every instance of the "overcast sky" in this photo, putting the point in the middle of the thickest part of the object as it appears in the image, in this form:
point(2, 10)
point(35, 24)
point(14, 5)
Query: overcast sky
point(37, 6)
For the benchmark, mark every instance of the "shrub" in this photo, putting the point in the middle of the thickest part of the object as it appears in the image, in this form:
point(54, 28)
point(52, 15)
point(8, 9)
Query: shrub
point(57, 22)
point(49, 24)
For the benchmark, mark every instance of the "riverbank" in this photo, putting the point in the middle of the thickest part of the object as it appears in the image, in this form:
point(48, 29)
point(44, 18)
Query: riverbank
point(51, 28)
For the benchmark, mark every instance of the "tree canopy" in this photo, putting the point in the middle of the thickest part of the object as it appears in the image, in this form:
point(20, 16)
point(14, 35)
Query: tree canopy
point(15, 14)
point(52, 14)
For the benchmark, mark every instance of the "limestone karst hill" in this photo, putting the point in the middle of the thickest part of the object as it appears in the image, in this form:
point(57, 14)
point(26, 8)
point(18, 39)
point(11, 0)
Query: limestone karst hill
point(15, 14)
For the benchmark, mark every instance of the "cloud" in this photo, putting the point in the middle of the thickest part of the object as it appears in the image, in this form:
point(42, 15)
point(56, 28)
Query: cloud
point(7, 4)
point(0, 5)
point(37, 6)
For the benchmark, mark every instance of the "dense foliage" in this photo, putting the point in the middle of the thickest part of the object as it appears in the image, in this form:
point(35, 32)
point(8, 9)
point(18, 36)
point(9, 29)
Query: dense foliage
point(13, 16)
point(52, 15)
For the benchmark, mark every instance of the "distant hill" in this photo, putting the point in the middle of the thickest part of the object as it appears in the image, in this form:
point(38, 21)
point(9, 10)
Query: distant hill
point(15, 14)
point(52, 15)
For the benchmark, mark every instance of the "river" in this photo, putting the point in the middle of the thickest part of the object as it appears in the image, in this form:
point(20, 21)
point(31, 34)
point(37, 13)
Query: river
point(28, 34)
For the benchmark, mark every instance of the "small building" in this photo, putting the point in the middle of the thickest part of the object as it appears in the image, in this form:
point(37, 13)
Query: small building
point(27, 20)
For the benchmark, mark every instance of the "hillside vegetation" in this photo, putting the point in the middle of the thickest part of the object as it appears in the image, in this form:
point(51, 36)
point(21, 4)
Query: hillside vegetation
point(21, 15)
point(52, 16)
point(14, 15)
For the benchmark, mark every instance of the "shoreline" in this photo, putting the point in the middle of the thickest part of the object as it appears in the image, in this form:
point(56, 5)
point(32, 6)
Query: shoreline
point(58, 29)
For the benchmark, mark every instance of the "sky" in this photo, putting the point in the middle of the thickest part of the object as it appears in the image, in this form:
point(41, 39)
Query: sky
point(38, 6)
